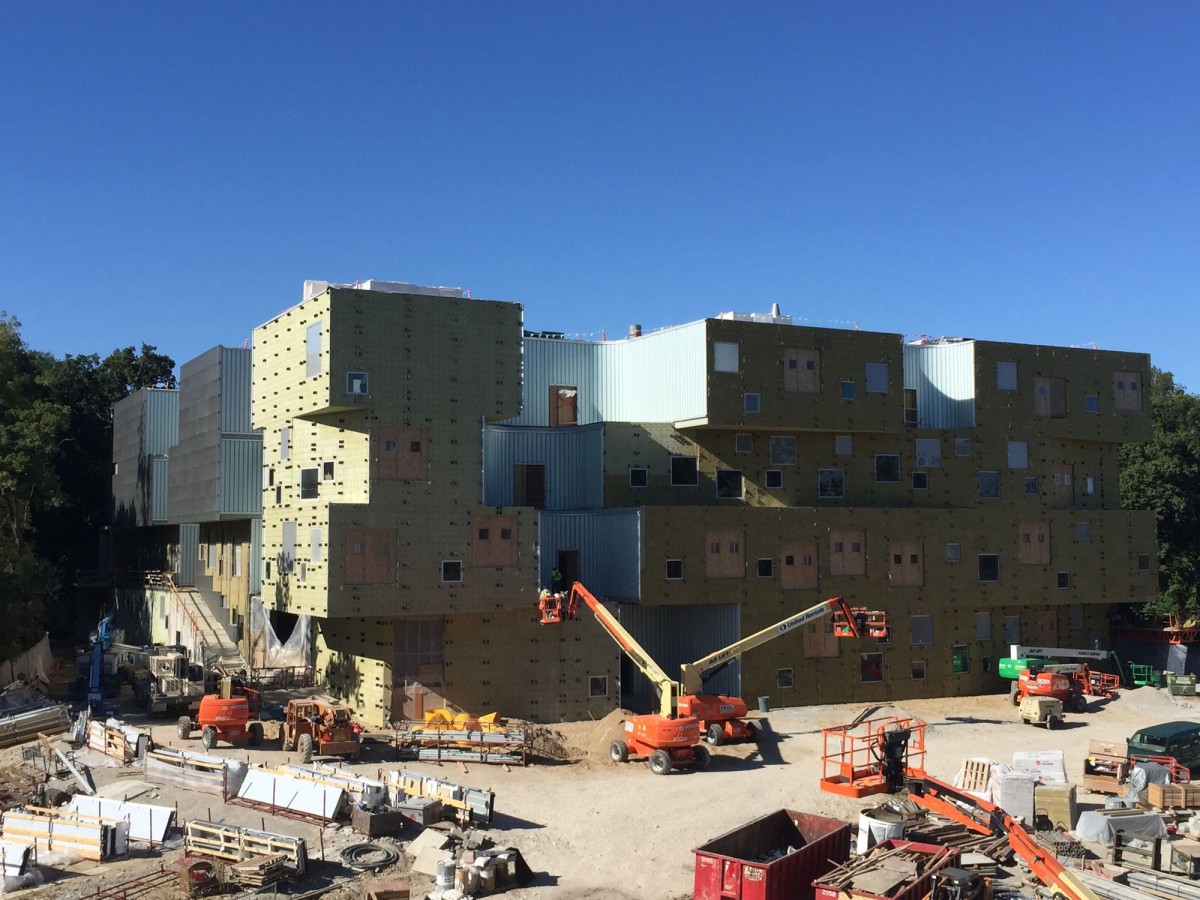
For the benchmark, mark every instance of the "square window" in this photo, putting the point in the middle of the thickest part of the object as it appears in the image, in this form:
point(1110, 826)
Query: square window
point(887, 468)
point(785, 679)
point(357, 383)
point(848, 390)
point(897, 558)
point(309, 484)
point(729, 484)
point(918, 670)
point(843, 445)
point(960, 659)
point(1031, 485)
point(1064, 580)
point(920, 629)
point(877, 378)
point(831, 484)
point(871, 667)
point(1006, 376)
point(766, 568)
point(674, 570)
point(1083, 531)
point(856, 547)
point(389, 445)
point(791, 363)
point(506, 534)
point(1091, 403)
point(837, 546)
point(327, 471)
point(484, 533)
point(808, 559)
point(597, 685)
point(685, 471)
point(989, 485)
point(920, 481)
point(451, 571)
point(639, 476)
point(774, 479)
point(962, 446)
point(928, 453)
point(743, 443)
point(414, 446)
point(752, 403)
point(1018, 454)
point(983, 626)
point(989, 567)
point(725, 356)
point(1143, 562)
point(783, 451)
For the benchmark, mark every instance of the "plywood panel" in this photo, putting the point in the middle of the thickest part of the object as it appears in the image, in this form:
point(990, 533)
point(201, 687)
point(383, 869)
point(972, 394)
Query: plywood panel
point(798, 566)
point(494, 540)
point(1034, 543)
point(847, 553)
point(724, 554)
point(403, 453)
point(802, 371)
point(907, 567)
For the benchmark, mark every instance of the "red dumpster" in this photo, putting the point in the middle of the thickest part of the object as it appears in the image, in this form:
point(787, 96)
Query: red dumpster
point(776, 857)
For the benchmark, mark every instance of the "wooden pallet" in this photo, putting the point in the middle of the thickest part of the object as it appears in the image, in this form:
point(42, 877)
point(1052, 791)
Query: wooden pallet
point(235, 844)
point(976, 774)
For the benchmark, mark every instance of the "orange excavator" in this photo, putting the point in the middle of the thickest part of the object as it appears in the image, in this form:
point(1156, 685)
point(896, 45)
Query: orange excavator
point(721, 716)
point(987, 818)
point(664, 739)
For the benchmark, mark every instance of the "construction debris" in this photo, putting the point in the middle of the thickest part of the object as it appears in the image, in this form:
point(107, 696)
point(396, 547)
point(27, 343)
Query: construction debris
point(27, 724)
point(195, 771)
point(116, 739)
point(260, 871)
point(91, 837)
point(147, 823)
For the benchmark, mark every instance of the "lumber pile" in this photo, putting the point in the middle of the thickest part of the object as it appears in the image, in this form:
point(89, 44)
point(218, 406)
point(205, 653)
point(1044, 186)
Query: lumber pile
point(233, 844)
point(900, 869)
point(259, 871)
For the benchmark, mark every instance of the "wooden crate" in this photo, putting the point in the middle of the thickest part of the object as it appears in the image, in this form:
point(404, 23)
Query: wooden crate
point(1173, 796)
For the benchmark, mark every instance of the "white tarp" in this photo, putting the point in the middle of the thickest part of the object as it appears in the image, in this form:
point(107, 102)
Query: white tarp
point(282, 791)
point(32, 665)
point(220, 775)
point(361, 789)
point(14, 858)
point(267, 651)
point(146, 822)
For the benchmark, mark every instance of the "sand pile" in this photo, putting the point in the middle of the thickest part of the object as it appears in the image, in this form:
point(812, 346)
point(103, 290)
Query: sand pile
point(604, 732)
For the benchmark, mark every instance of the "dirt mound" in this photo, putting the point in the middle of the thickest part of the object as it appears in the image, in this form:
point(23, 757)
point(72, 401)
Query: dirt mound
point(604, 732)
point(551, 743)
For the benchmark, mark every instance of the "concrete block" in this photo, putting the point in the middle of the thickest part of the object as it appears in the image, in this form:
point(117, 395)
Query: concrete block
point(430, 837)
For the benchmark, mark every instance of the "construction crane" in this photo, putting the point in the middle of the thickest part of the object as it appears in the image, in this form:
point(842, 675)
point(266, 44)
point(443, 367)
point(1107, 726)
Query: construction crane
point(101, 639)
point(721, 715)
point(664, 739)
point(987, 818)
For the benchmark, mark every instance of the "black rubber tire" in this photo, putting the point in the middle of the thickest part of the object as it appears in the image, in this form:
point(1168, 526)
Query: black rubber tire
point(184, 727)
point(702, 757)
point(208, 737)
point(715, 734)
point(1052, 722)
point(287, 745)
point(659, 762)
point(255, 738)
point(1014, 694)
point(752, 732)
point(305, 745)
point(1079, 703)
point(618, 752)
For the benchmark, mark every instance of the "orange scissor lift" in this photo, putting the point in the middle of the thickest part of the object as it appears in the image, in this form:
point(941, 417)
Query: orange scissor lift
point(872, 756)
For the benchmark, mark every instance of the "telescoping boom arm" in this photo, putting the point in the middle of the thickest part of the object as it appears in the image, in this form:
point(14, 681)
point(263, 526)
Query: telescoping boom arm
point(1016, 651)
point(662, 682)
point(848, 623)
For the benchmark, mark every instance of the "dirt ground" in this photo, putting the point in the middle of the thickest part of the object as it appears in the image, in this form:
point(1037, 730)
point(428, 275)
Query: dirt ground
point(591, 828)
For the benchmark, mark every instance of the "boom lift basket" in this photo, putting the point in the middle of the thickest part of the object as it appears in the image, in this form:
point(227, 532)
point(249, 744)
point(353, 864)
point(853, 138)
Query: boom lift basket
point(866, 623)
point(871, 756)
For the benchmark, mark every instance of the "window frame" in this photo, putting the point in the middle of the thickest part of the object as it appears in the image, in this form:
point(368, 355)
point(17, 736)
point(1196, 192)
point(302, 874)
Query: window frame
point(695, 462)
point(992, 476)
point(721, 357)
point(980, 558)
point(316, 484)
point(782, 449)
point(862, 661)
point(848, 390)
point(452, 562)
point(727, 473)
point(773, 479)
point(364, 377)
point(743, 442)
point(879, 457)
point(667, 570)
point(770, 567)
point(840, 479)
point(752, 402)
point(645, 477)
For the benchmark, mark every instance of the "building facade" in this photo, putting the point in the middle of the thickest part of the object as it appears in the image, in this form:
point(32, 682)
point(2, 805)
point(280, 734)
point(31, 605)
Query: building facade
point(428, 466)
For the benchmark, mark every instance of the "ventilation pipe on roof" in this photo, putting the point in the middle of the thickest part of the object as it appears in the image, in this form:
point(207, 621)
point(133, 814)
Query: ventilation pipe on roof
point(635, 330)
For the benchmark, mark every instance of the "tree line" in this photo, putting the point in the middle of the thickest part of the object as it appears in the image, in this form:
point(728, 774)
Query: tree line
point(56, 473)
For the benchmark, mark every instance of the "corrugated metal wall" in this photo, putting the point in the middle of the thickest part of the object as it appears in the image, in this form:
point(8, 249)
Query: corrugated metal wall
point(241, 476)
point(659, 377)
point(609, 542)
point(943, 375)
point(256, 553)
point(673, 635)
point(161, 425)
point(160, 466)
point(573, 457)
point(235, 390)
point(189, 552)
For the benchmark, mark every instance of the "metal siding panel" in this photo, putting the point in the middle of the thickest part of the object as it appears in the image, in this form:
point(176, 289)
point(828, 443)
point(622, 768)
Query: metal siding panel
point(241, 477)
point(673, 635)
point(609, 544)
point(162, 421)
point(659, 377)
point(158, 488)
point(235, 390)
point(943, 375)
point(573, 457)
point(189, 550)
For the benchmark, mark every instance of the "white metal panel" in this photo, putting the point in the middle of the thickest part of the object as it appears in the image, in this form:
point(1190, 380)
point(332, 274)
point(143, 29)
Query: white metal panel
point(943, 375)
point(146, 822)
point(298, 795)
point(15, 859)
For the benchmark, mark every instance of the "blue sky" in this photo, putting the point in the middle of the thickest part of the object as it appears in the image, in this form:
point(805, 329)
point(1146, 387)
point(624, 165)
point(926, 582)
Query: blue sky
point(170, 173)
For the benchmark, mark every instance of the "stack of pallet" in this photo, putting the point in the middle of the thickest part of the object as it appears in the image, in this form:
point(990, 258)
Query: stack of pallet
point(1173, 796)
point(259, 871)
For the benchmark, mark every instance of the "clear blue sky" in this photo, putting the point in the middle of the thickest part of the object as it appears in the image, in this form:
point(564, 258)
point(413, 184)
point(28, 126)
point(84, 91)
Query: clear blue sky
point(170, 173)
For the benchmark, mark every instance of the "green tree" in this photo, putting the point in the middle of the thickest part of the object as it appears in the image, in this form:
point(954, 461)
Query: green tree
point(55, 464)
point(1163, 474)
